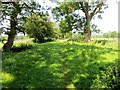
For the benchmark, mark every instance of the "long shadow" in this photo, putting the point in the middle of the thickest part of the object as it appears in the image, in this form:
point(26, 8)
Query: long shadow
point(54, 65)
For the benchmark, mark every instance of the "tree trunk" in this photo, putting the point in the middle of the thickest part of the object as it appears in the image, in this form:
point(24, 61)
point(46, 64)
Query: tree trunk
point(7, 46)
point(87, 30)
point(87, 36)
point(11, 34)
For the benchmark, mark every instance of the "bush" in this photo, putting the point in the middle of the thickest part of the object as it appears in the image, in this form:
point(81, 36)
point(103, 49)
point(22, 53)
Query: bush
point(20, 37)
point(102, 42)
point(39, 27)
point(110, 78)
point(21, 48)
point(49, 39)
point(77, 37)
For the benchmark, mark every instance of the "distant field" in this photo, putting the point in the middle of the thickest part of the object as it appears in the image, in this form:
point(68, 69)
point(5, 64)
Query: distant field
point(104, 38)
point(110, 42)
point(59, 64)
point(17, 42)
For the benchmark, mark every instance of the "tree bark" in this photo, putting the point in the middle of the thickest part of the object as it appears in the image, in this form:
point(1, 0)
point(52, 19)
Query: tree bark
point(7, 46)
point(87, 31)
point(87, 36)
point(11, 34)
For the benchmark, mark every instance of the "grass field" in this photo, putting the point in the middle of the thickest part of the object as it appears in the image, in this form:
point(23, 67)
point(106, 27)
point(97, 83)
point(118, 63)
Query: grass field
point(58, 64)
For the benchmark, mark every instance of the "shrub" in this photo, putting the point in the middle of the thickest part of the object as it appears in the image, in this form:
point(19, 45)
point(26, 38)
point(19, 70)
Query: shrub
point(20, 37)
point(102, 42)
point(21, 48)
point(77, 37)
point(49, 39)
point(39, 27)
point(110, 78)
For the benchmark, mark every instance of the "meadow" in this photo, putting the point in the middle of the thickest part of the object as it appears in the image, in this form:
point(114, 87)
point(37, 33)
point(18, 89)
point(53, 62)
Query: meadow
point(61, 64)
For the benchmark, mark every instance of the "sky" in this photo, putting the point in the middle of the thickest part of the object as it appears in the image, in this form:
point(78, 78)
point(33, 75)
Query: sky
point(110, 18)
point(109, 21)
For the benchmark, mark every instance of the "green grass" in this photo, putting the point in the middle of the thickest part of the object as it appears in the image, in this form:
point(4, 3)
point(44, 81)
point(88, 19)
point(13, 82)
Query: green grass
point(59, 64)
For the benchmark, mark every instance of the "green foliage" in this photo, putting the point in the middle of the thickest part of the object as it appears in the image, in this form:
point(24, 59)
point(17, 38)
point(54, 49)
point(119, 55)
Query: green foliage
point(38, 27)
point(102, 42)
point(20, 37)
point(21, 47)
point(70, 15)
point(57, 34)
point(110, 78)
point(22, 10)
point(97, 36)
point(112, 34)
point(94, 28)
point(106, 35)
point(107, 42)
point(69, 23)
point(76, 37)
point(17, 13)
point(3, 38)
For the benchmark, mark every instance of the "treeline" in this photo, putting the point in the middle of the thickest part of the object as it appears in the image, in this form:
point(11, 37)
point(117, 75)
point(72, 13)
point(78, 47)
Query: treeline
point(109, 34)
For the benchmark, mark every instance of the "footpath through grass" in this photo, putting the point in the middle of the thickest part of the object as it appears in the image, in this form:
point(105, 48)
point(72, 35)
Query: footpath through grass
point(56, 65)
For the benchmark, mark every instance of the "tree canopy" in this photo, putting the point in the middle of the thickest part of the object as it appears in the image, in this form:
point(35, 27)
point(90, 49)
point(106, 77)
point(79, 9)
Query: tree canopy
point(39, 27)
point(84, 11)
point(15, 13)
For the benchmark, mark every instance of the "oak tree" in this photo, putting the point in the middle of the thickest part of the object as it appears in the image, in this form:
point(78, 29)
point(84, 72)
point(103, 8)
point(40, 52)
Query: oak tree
point(87, 10)
point(15, 11)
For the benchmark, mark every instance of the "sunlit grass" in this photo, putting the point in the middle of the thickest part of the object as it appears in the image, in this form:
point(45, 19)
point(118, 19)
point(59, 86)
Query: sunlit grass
point(58, 64)
point(7, 77)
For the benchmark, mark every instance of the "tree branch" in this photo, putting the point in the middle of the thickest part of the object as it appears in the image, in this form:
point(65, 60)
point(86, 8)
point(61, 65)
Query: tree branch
point(20, 30)
point(8, 2)
point(85, 9)
point(5, 28)
point(96, 10)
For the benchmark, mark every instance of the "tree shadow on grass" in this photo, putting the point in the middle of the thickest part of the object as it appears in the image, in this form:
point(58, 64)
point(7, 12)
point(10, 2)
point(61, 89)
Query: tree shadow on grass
point(54, 65)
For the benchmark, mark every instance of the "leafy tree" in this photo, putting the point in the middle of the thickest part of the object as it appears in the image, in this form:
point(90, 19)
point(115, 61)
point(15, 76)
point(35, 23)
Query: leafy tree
point(69, 23)
point(113, 34)
point(39, 27)
point(106, 35)
point(63, 28)
point(57, 33)
point(94, 28)
point(89, 8)
point(15, 12)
